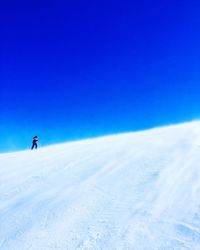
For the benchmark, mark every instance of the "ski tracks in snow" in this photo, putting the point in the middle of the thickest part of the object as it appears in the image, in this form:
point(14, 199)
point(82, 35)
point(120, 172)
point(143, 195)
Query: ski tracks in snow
point(127, 192)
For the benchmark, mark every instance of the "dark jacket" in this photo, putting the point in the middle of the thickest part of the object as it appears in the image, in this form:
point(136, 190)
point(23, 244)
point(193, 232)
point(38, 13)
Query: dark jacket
point(35, 139)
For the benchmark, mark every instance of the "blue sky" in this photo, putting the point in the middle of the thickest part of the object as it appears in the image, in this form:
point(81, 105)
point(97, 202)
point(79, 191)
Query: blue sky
point(79, 69)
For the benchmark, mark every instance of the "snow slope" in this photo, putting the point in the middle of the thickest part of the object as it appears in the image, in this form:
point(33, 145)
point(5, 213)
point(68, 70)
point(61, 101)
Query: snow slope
point(135, 191)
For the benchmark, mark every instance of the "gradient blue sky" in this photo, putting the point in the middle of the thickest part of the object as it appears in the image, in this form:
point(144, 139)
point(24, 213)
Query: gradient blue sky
point(77, 69)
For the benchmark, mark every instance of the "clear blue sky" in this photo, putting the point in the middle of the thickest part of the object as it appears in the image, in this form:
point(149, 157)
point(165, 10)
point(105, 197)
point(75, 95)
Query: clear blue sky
point(77, 69)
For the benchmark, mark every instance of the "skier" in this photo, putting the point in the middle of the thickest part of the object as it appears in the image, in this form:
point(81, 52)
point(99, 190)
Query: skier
point(35, 140)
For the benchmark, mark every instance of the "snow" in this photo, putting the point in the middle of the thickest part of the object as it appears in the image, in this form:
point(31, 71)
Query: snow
point(134, 191)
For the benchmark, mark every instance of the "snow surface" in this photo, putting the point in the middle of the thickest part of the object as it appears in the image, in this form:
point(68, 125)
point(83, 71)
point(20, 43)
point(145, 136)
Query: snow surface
point(135, 191)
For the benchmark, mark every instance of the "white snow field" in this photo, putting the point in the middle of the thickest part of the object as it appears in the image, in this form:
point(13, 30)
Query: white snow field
point(134, 191)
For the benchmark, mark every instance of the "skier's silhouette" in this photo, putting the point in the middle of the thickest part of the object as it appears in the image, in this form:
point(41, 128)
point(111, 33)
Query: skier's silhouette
point(34, 145)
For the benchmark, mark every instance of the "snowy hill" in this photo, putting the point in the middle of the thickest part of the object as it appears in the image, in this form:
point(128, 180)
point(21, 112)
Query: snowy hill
point(135, 191)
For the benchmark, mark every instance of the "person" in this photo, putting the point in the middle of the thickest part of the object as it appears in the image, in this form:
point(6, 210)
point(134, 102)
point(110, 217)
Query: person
point(35, 140)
